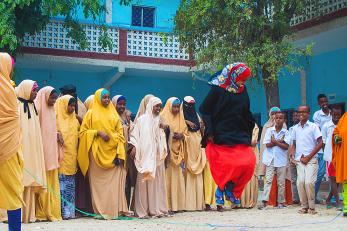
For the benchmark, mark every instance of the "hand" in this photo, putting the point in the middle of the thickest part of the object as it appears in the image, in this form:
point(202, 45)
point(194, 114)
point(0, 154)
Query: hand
point(103, 136)
point(190, 124)
point(254, 144)
point(60, 139)
point(273, 140)
point(178, 136)
point(292, 160)
point(304, 159)
point(163, 126)
point(210, 138)
point(132, 153)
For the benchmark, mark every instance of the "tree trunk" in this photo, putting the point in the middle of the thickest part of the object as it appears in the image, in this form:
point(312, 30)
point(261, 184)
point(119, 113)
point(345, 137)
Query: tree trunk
point(271, 90)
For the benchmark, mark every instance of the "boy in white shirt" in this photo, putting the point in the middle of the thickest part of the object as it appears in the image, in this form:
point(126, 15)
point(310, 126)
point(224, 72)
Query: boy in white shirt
point(327, 134)
point(307, 141)
point(275, 158)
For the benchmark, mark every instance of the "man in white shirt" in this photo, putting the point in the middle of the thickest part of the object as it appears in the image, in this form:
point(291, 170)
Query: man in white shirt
point(307, 141)
point(321, 117)
point(293, 172)
point(327, 134)
point(275, 158)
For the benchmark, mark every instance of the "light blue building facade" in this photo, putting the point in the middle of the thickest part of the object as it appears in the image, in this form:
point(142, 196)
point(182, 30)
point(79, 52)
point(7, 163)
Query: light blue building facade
point(142, 62)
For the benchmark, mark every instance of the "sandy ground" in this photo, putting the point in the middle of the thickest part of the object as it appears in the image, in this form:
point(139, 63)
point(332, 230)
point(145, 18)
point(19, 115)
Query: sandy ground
point(242, 219)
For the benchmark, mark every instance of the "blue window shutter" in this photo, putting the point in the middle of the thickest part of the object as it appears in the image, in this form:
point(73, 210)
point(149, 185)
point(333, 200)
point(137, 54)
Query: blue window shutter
point(148, 17)
point(136, 16)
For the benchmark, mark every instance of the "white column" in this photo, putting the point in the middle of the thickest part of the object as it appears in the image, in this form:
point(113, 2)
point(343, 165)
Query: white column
point(108, 11)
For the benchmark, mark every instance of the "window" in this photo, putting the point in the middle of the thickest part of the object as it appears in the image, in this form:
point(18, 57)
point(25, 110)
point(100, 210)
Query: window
point(142, 16)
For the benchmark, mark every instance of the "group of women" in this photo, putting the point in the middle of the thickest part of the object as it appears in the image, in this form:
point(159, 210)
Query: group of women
point(154, 165)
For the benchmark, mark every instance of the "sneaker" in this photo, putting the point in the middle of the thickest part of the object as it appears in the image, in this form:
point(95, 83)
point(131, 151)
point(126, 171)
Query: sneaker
point(219, 197)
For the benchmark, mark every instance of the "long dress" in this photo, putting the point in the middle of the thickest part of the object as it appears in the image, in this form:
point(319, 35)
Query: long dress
point(34, 177)
point(126, 127)
point(11, 159)
point(339, 157)
point(175, 183)
point(68, 126)
point(195, 158)
point(249, 197)
point(151, 150)
point(83, 199)
point(231, 132)
point(48, 205)
point(97, 157)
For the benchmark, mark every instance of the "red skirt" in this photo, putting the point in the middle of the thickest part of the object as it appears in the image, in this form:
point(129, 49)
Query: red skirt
point(231, 163)
point(331, 169)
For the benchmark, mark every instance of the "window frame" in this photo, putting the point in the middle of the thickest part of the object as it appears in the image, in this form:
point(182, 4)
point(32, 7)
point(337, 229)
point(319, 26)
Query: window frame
point(141, 17)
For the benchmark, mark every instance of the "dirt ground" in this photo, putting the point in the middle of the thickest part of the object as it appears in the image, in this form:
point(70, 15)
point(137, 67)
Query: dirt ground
point(241, 219)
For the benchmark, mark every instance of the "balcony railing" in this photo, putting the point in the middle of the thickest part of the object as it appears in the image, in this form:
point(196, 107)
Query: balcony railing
point(54, 36)
point(138, 43)
point(154, 45)
point(314, 10)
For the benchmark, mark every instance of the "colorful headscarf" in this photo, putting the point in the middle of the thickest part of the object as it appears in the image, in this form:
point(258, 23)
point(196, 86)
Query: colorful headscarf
point(176, 102)
point(103, 93)
point(190, 113)
point(119, 98)
point(230, 75)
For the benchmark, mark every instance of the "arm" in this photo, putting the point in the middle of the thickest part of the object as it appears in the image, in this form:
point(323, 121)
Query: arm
point(318, 147)
point(268, 139)
point(207, 109)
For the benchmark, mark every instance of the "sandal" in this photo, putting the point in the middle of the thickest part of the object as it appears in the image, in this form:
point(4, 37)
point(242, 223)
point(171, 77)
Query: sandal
point(312, 211)
point(303, 211)
point(220, 208)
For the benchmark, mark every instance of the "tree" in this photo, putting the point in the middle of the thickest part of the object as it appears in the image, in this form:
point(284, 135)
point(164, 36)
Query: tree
point(31, 16)
point(255, 32)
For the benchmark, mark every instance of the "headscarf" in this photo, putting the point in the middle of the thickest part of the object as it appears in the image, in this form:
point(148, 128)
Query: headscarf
point(103, 93)
point(177, 124)
point(89, 102)
point(142, 107)
point(48, 123)
point(105, 119)
point(147, 139)
point(24, 90)
point(68, 126)
point(230, 75)
point(118, 98)
point(9, 114)
point(340, 150)
point(190, 113)
point(115, 100)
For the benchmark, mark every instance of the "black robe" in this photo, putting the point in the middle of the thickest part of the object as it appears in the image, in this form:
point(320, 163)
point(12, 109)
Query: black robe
point(227, 117)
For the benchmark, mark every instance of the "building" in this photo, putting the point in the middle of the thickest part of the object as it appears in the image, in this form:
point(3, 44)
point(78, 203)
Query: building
point(146, 58)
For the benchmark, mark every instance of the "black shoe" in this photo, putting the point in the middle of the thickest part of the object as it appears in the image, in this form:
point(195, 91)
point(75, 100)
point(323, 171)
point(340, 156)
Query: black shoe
point(345, 214)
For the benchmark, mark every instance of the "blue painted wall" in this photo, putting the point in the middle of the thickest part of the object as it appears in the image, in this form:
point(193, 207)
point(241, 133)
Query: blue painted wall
point(134, 87)
point(121, 15)
point(164, 13)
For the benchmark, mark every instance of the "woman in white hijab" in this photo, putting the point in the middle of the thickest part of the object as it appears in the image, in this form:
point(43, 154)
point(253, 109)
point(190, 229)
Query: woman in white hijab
point(149, 150)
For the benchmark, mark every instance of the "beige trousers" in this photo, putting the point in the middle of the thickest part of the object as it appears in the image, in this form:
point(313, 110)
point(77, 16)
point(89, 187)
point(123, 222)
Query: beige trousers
point(307, 177)
point(281, 180)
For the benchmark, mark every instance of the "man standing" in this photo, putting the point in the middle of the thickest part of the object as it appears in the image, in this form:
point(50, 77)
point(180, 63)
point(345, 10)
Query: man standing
point(321, 117)
point(307, 141)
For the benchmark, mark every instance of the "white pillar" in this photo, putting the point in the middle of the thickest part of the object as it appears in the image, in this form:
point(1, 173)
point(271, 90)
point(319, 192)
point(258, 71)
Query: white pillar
point(108, 11)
